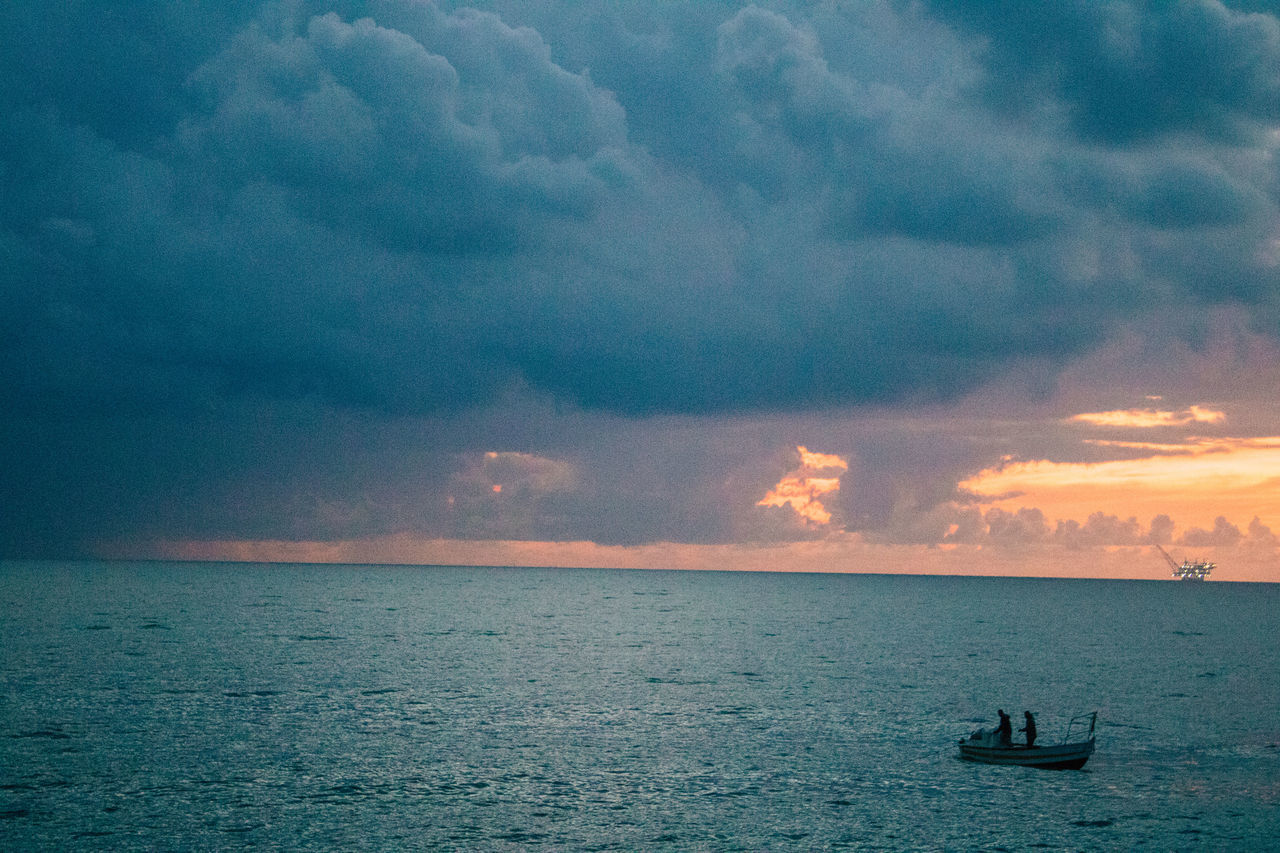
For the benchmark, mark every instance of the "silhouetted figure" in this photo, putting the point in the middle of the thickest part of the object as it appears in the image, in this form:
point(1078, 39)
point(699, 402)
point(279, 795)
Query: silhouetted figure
point(1004, 731)
point(1030, 729)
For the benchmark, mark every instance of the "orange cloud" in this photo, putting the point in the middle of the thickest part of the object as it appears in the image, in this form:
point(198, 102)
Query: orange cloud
point(1194, 482)
point(802, 494)
point(818, 461)
point(1203, 462)
point(1171, 448)
point(1144, 418)
point(802, 488)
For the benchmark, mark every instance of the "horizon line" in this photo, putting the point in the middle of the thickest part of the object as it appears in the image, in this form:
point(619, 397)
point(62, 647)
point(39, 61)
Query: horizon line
point(518, 567)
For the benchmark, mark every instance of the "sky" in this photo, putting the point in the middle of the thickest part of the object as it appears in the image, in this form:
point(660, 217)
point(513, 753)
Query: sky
point(929, 287)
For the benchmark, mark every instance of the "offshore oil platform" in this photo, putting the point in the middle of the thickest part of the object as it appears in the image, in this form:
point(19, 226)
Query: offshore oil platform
point(1188, 570)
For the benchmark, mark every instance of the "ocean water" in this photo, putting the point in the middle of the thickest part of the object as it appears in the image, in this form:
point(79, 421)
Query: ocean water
point(196, 706)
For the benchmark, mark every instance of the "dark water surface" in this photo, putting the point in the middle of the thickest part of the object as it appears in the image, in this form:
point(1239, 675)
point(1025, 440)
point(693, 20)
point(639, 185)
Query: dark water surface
point(201, 706)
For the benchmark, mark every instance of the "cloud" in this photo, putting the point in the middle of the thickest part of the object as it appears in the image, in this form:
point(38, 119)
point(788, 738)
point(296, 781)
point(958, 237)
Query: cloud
point(801, 489)
point(1224, 533)
point(396, 206)
point(1025, 526)
point(1143, 418)
point(1262, 535)
point(507, 495)
point(1222, 463)
point(1192, 482)
point(228, 228)
point(1100, 530)
point(1123, 71)
point(510, 472)
point(1029, 529)
point(1162, 528)
point(372, 131)
point(877, 151)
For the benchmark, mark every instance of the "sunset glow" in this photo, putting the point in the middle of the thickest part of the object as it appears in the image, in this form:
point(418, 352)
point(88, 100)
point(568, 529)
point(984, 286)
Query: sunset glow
point(817, 461)
point(633, 425)
point(842, 553)
point(1145, 418)
point(1194, 482)
point(354, 275)
point(802, 488)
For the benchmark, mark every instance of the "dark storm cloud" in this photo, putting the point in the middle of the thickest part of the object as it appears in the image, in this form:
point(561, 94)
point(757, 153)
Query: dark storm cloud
point(1132, 71)
point(368, 131)
point(397, 205)
point(213, 214)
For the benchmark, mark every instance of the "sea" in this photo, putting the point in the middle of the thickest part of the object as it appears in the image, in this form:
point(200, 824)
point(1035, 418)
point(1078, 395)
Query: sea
point(194, 706)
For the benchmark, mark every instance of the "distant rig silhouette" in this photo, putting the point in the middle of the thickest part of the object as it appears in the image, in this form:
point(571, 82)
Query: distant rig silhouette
point(1188, 570)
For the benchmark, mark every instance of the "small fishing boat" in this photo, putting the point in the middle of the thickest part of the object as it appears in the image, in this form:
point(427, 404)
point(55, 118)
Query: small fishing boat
point(983, 746)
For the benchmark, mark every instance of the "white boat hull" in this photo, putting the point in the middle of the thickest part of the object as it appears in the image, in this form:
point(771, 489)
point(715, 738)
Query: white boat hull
point(1066, 756)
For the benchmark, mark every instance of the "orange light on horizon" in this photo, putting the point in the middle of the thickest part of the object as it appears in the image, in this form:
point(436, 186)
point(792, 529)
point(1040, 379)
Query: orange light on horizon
point(839, 553)
point(1193, 482)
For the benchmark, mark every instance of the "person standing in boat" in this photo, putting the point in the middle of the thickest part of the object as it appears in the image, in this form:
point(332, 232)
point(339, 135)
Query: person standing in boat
point(1004, 731)
point(1030, 729)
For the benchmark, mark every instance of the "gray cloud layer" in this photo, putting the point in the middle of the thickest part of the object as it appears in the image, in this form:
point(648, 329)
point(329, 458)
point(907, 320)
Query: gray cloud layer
point(410, 209)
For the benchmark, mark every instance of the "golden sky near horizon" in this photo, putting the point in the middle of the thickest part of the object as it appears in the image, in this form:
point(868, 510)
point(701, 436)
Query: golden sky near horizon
point(1192, 479)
